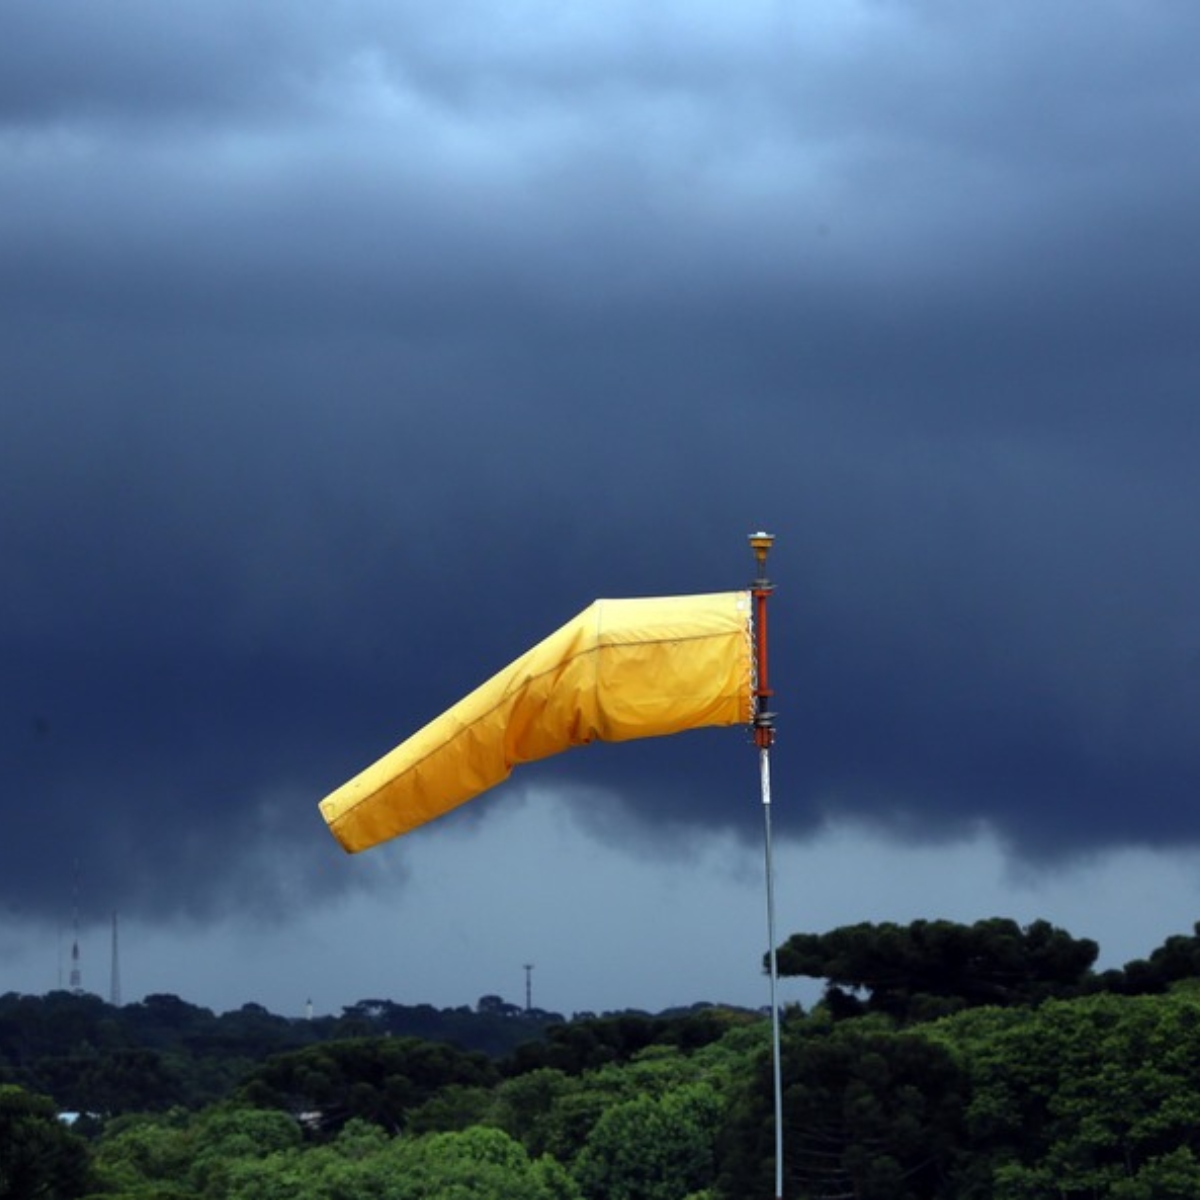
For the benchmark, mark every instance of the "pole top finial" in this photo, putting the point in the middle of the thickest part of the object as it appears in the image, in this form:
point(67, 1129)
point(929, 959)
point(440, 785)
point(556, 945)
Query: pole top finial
point(761, 544)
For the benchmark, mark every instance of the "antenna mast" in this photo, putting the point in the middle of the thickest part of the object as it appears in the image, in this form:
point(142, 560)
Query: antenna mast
point(114, 997)
point(75, 980)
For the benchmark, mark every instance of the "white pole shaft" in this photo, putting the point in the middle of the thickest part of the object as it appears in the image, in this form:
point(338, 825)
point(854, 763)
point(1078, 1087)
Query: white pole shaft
point(764, 762)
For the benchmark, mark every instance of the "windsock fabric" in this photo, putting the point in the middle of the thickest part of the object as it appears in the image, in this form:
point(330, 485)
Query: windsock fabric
point(622, 669)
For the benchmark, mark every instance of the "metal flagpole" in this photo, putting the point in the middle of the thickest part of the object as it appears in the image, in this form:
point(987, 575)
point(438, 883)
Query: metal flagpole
point(764, 738)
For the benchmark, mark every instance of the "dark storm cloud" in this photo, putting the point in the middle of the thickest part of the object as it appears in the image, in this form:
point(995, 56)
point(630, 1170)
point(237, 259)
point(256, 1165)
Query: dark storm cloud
point(345, 357)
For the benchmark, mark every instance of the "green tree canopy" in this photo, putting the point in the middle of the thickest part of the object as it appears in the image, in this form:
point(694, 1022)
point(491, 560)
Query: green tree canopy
point(39, 1156)
point(1094, 1097)
point(1177, 959)
point(869, 1112)
point(475, 1164)
point(378, 1079)
point(653, 1148)
point(927, 968)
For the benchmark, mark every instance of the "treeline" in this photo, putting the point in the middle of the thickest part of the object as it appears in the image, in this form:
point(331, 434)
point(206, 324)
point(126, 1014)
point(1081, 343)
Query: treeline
point(946, 1062)
point(929, 969)
point(93, 1057)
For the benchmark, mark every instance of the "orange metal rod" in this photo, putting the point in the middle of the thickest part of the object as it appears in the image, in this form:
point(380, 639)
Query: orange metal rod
point(764, 720)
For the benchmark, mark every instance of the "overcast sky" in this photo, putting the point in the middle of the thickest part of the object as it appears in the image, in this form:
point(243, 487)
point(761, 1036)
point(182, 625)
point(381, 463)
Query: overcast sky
point(347, 350)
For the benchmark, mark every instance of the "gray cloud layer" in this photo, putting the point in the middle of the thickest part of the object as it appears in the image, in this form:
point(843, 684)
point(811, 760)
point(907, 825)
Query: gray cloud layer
point(347, 353)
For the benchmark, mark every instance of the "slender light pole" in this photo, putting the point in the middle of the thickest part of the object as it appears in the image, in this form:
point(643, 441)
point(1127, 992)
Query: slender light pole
point(764, 739)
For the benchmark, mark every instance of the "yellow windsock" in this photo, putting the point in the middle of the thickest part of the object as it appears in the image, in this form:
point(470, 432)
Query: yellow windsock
point(622, 669)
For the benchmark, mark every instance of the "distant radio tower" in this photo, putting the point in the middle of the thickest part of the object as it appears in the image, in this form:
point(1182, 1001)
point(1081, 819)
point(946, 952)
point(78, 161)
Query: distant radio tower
point(75, 981)
point(529, 987)
point(114, 991)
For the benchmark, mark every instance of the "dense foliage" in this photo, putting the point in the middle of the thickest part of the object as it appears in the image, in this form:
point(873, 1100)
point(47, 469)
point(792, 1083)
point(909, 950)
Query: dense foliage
point(379, 1080)
point(164, 1052)
point(1006, 1071)
point(930, 968)
point(39, 1156)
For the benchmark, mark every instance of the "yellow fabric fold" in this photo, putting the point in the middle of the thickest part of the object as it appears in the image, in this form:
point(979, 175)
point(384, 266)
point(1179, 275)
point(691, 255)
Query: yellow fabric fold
point(622, 669)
